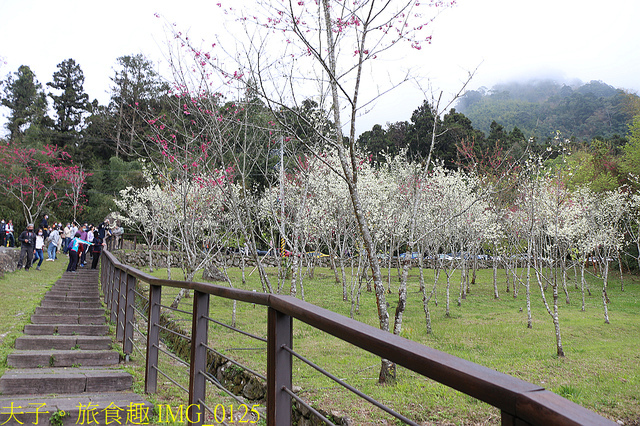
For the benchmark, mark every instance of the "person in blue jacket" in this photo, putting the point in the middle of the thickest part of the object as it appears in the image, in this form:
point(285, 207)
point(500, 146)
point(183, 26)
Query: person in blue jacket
point(73, 251)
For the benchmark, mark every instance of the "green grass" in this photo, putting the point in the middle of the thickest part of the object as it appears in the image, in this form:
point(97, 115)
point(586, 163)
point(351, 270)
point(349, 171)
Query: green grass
point(601, 369)
point(21, 293)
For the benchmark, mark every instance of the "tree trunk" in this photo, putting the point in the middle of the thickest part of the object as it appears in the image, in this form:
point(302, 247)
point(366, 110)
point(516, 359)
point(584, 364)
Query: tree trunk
point(506, 272)
point(621, 277)
point(528, 289)
point(447, 312)
point(563, 265)
point(295, 260)
point(582, 266)
point(495, 279)
point(169, 257)
point(605, 298)
point(515, 279)
point(556, 322)
point(554, 313)
point(402, 298)
point(345, 296)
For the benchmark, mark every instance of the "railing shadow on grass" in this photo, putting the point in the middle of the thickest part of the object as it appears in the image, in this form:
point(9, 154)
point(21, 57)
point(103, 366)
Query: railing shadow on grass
point(520, 402)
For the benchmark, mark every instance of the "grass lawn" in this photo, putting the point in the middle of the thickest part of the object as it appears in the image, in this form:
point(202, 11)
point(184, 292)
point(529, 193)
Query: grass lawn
point(20, 293)
point(601, 369)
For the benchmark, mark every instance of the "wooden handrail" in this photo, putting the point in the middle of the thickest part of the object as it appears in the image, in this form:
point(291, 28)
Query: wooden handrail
point(520, 402)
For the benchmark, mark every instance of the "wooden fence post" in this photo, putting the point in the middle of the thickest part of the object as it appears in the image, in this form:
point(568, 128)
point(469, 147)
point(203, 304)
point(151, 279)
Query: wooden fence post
point(153, 339)
point(121, 305)
point(279, 333)
point(115, 290)
point(127, 344)
point(197, 379)
point(108, 285)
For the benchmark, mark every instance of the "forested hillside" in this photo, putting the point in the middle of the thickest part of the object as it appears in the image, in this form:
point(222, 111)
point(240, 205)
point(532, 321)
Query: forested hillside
point(88, 153)
point(540, 108)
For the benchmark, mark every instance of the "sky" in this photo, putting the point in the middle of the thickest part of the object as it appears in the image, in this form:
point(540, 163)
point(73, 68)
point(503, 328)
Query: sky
point(498, 40)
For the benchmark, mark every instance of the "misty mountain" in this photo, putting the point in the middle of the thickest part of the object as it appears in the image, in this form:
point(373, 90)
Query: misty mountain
point(540, 108)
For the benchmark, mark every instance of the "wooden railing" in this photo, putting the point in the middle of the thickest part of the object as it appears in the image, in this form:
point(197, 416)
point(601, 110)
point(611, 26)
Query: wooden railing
point(520, 402)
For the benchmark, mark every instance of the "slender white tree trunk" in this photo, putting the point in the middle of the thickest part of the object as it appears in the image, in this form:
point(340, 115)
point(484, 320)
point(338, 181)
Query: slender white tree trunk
point(582, 282)
point(605, 298)
point(495, 278)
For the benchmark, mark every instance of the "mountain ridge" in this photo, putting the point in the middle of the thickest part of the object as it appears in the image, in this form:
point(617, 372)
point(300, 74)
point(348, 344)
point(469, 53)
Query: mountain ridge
point(541, 108)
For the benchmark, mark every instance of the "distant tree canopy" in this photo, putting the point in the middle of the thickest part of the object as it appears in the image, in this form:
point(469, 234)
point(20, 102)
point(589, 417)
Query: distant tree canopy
point(22, 94)
point(541, 108)
point(107, 140)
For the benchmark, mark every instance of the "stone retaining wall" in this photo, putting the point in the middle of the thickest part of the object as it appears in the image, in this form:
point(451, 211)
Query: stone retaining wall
point(9, 257)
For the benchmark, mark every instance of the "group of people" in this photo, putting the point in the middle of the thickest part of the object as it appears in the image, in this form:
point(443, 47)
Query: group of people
point(6, 234)
point(74, 240)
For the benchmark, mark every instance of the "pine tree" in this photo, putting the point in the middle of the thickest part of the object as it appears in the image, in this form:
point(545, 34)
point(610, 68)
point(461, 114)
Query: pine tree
point(24, 97)
point(137, 88)
point(71, 103)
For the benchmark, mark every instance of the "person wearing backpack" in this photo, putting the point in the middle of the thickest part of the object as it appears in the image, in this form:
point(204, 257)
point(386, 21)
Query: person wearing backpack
point(66, 238)
point(74, 246)
point(96, 249)
point(54, 241)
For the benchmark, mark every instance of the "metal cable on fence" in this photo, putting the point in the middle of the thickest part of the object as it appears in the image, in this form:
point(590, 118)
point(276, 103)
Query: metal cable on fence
point(210, 378)
point(172, 355)
point(307, 406)
point(176, 309)
point(173, 381)
point(133, 344)
point(171, 331)
point(349, 387)
point(234, 362)
point(262, 339)
point(142, 296)
point(136, 328)
point(139, 312)
point(215, 417)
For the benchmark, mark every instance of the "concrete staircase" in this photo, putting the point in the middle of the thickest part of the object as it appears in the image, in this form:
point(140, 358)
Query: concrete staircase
point(64, 363)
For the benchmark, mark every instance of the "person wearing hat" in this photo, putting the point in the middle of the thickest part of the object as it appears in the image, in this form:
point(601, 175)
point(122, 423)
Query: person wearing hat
point(28, 242)
point(44, 224)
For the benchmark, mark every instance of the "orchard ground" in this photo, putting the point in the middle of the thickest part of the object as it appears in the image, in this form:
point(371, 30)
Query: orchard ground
point(601, 369)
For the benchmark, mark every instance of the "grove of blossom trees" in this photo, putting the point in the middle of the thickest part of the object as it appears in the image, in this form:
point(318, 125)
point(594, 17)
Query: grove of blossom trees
point(237, 158)
point(446, 220)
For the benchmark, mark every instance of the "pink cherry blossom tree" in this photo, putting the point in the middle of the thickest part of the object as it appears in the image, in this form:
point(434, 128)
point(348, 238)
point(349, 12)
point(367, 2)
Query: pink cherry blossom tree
point(40, 178)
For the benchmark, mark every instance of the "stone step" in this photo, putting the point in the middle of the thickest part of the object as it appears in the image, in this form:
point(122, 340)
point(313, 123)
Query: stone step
point(68, 319)
point(69, 304)
point(63, 363)
point(63, 342)
point(61, 358)
point(75, 294)
point(66, 329)
point(76, 289)
point(74, 284)
point(64, 380)
point(63, 298)
point(121, 405)
point(44, 310)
